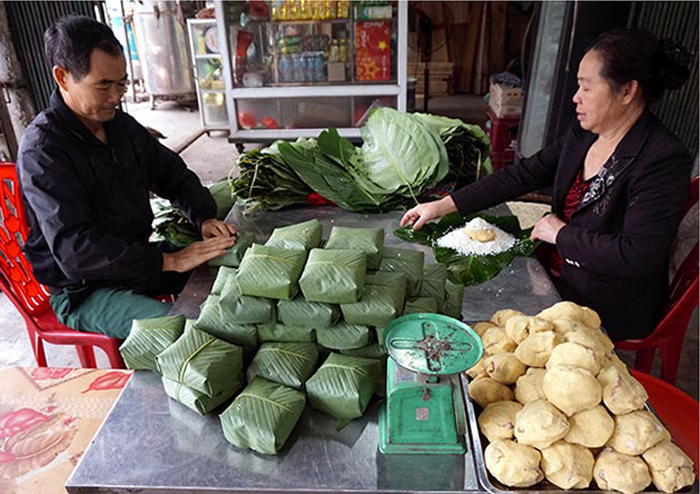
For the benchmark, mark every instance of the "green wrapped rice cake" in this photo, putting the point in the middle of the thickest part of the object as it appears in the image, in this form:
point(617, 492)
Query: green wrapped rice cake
point(421, 305)
point(211, 321)
point(243, 309)
point(234, 255)
point(304, 236)
point(220, 280)
point(378, 305)
point(368, 240)
point(454, 296)
point(343, 385)
point(343, 336)
point(202, 362)
point(374, 350)
point(334, 276)
point(433, 285)
point(282, 332)
point(149, 337)
point(299, 312)
point(287, 363)
point(270, 272)
point(196, 400)
point(262, 416)
point(406, 261)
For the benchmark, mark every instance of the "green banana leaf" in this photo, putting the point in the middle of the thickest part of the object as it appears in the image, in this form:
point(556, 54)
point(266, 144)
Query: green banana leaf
point(211, 321)
point(434, 278)
point(290, 364)
point(474, 269)
point(454, 297)
point(378, 305)
point(281, 332)
point(221, 192)
point(220, 280)
point(202, 362)
point(243, 309)
point(234, 255)
point(196, 400)
point(374, 350)
point(334, 276)
point(343, 336)
point(343, 385)
point(408, 262)
point(369, 240)
point(305, 236)
point(421, 305)
point(270, 272)
point(262, 416)
point(299, 312)
point(149, 337)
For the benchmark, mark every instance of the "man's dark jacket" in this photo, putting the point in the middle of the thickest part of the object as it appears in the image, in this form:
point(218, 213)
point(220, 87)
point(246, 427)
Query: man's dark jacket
point(615, 250)
point(87, 202)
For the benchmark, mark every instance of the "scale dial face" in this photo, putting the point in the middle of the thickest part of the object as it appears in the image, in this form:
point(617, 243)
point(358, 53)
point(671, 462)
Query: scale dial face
point(432, 344)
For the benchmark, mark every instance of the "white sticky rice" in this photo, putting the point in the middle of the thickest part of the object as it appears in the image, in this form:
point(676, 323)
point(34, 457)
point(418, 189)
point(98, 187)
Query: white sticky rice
point(458, 239)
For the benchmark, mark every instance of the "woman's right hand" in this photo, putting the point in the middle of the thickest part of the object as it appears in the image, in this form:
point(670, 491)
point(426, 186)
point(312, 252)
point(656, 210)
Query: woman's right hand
point(421, 214)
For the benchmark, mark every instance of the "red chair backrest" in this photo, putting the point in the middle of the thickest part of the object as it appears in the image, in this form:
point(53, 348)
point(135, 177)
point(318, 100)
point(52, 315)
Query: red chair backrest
point(13, 234)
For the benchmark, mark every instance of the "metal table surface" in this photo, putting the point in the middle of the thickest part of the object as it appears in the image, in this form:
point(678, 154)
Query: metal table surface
point(151, 444)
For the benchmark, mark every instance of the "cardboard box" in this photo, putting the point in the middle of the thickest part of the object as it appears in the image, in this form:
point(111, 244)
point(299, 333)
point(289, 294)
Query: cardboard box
point(506, 101)
point(373, 51)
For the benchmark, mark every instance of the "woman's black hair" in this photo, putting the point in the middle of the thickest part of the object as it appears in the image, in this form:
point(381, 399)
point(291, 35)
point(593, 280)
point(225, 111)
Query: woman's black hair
point(70, 41)
point(636, 54)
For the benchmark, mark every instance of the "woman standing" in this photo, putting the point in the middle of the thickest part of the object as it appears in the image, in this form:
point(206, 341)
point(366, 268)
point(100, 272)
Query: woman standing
point(620, 180)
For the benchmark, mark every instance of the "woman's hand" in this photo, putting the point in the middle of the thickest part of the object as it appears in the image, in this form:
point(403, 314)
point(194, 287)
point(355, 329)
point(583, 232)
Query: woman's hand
point(547, 229)
point(213, 228)
point(421, 214)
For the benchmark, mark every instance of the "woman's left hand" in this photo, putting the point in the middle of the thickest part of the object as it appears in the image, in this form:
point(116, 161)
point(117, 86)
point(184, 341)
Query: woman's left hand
point(215, 228)
point(547, 229)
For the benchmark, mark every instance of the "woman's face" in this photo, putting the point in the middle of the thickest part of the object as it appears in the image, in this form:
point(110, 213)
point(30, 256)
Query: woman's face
point(597, 107)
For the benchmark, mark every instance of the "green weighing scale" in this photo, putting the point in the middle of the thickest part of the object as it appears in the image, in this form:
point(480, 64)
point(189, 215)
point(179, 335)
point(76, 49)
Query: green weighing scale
point(424, 410)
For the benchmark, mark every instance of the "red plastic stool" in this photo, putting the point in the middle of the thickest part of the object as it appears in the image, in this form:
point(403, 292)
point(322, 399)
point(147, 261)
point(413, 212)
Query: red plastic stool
point(678, 411)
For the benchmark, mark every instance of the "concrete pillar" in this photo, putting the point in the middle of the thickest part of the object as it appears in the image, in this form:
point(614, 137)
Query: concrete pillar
point(16, 104)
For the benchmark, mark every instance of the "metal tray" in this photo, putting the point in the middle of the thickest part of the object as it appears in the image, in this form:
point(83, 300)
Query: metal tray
point(490, 484)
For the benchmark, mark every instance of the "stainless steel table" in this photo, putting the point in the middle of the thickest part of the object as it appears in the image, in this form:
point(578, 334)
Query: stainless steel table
point(151, 444)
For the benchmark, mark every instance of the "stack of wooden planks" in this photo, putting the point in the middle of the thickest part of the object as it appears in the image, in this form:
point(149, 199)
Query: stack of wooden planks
point(440, 77)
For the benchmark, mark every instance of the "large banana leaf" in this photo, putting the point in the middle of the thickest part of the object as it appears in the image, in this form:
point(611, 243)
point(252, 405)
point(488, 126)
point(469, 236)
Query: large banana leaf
point(149, 337)
point(239, 309)
point(409, 262)
point(306, 236)
point(378, 305)
point(196, 400)
point(434, 278)
point(299, 312)
point(343, 385)
point(454, 297)
point(202, 362)
point(369, 240)
point(374, 350)
point(334, 276)
point(421, 305)
point(290, 364)
point(234, 255)
point(400, 154)
point(220, 280)
point(270, 272)
point(211, 321)
point(474, 269)
point(281, 332)
point(343, 336)
point(262, 416)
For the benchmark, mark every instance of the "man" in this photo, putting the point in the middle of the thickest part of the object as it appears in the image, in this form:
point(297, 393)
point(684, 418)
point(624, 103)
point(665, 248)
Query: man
point(85, 170)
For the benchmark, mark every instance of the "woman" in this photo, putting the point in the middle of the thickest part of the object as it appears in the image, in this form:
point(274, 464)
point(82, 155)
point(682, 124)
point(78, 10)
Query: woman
point(620, 180)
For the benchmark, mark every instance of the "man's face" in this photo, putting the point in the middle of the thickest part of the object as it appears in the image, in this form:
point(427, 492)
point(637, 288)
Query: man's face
point(94, 97)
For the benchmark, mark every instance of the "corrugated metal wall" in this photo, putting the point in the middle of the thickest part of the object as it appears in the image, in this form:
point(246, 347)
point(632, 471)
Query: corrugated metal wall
point(678, 21)
point(28, 21)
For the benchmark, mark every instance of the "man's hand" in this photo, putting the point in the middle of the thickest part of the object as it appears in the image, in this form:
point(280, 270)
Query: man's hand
point(197, 253)
point(213, 228)
point(547, 229)
point(421, 214)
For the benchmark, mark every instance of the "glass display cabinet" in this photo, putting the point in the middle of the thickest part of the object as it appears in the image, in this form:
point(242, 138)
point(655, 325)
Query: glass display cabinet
point(296, 67)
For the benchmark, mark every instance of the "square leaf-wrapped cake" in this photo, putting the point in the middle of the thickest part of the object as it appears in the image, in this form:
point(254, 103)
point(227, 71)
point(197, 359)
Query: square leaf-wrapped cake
point(212, 321)
point(285, 363)
point(149, 337)
point(369, 240)
point(408, 262)
point(299, 312)
point(270, 272)
point(234, 255)
point(334, 276)
point(305, 236)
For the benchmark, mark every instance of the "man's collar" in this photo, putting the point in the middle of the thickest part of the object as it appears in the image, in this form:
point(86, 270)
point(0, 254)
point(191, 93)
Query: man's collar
point(71, 120)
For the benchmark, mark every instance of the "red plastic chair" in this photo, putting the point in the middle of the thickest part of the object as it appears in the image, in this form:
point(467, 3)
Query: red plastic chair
point(30, 297)
point(669, 333)
point(678, 411)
